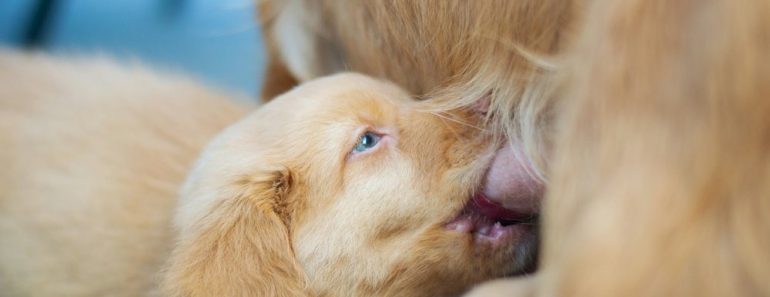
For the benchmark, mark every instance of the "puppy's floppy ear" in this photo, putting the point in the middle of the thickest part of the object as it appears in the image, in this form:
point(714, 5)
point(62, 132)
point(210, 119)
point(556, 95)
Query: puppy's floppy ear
point(239, 246)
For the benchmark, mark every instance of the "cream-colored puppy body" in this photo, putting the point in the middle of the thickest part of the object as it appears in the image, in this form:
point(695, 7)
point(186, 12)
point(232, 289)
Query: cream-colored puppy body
point(93, 154)
point(279, 204)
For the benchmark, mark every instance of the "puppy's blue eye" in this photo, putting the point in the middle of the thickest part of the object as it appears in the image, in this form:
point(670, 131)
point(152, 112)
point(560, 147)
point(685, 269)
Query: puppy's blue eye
point(366, 141)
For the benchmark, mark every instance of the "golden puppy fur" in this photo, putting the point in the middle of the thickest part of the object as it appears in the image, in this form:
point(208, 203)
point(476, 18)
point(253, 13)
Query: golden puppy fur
point(93, 155)
point(658, 172)
point(450, 51)
point(281, 205)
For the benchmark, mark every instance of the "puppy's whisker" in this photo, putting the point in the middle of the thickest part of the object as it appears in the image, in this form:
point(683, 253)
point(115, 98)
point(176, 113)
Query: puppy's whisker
point(449, 128)
point(450, 118)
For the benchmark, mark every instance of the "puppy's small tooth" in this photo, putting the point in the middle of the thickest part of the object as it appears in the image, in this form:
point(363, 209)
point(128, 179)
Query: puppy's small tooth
point(462, 225)
point(484, 230)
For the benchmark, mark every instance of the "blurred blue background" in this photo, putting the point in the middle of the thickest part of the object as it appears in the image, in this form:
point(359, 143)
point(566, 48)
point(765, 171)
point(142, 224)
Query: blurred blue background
point(216, 41)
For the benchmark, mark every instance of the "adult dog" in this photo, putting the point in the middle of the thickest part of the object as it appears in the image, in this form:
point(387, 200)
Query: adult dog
point(647, 120)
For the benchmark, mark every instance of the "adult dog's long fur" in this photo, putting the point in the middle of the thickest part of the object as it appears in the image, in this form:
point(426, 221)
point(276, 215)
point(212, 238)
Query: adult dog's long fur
point(659, 171)
point(660, 185)
point(450, 51)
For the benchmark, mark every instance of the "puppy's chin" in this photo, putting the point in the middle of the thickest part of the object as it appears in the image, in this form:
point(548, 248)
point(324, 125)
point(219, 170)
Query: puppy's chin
point(449, 262)
point(526, 253)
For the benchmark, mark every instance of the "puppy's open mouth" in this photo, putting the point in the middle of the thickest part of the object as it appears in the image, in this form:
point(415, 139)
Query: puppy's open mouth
point(490, 223)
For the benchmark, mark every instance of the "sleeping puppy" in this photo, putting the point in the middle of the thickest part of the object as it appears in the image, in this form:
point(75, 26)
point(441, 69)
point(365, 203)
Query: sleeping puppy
point(344, 187)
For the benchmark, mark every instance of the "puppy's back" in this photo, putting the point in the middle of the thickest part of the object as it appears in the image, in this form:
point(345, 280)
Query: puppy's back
point(93, 154)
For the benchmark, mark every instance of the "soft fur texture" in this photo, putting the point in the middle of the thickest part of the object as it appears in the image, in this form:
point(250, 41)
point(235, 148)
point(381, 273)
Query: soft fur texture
point(93, 156)
point(453, 52)
point(666, 105)
point(278, 204)
point(647, 119)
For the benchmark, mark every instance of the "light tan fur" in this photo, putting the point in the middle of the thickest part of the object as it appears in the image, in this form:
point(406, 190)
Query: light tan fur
point(92, 157)
point(279, 205)
point(666, 105)
point(658, 172)
point(453, 52)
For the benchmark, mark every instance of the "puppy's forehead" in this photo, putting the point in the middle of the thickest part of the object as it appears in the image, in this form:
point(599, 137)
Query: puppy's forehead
point(340, 97)
point(343, 88)
point(327, 107)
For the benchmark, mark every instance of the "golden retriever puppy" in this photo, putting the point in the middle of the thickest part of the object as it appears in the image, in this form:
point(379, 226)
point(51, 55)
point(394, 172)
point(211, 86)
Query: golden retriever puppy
point(456, 54)
point(93, 156)
point(658, 175)
point(344, 187)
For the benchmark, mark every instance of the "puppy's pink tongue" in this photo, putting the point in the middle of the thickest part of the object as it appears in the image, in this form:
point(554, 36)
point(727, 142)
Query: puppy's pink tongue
point(508, 182)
